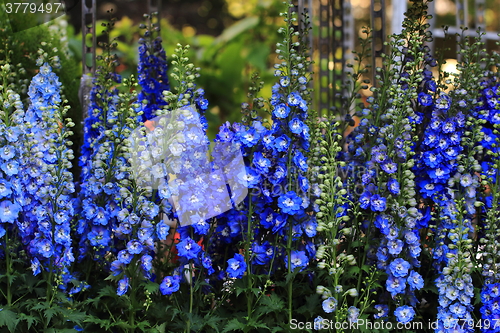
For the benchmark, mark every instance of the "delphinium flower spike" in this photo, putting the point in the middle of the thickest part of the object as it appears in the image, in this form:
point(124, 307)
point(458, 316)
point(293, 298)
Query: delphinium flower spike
point(48, 209)
point(152, 71)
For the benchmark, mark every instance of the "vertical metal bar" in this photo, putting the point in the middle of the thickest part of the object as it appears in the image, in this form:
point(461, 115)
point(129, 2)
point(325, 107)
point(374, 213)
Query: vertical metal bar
point(479, 18)
point(378, 34)
point(337, 66)
point(432, 25)
point(88, 52)
point(325, 53)
point(398, 15)
point(461, 21)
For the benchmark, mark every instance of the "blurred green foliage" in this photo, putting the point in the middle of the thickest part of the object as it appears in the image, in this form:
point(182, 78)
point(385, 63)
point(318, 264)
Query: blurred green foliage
point(227, 61)
point(20, 49)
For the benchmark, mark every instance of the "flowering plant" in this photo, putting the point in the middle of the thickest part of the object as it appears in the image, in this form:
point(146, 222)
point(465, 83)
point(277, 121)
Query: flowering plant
point(383, 218)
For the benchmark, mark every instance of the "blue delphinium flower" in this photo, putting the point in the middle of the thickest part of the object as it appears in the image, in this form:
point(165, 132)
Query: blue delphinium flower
point(404, 314)
point(152, 76)
point(329, 305)
point(170, 284)
point(236, 266)
point(298, 259)
point(48, 208)
point(488, 112)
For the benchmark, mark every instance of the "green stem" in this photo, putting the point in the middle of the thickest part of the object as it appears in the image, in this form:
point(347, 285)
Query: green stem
point(9, 269)
point(190, 298)
point(247, 260)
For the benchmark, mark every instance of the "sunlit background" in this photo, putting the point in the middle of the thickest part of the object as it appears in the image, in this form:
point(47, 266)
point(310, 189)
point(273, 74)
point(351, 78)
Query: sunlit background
point(231, 39)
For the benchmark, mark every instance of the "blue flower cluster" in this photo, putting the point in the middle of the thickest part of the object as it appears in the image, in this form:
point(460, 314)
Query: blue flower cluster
point(490, 293)
point(12, 134)
point(490, 310)
point(48, 205)
point(444, 182)
point(102, 168)
point(152, 76)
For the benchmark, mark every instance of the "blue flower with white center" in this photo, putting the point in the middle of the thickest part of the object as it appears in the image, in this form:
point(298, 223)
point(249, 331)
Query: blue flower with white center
point(284, 81)
point(399, 267)
point(395, 246)
point(424, 99)
point(290, 203)
point(393, 186)
point(294, 99)
point(404, 314)
point(329, 305)
point(389, 167)
point(261, 163)
point(125, 257)
point(282, 143)
point(281, 111)
point(188, 248)
point(382, 311)
point(298, 259)
point(7, 152)
point(395, 285)
point(123, 285)
point(248, 138)
point(44, 247)
point(170, 284)
point(99, 236)
point(236, 266)
point(5, 188)
point(296, 125)
point(310, 227)
point(134, 247)
point(352, 314)
point(300, 161)
point(147, 264)
point(9, 211)
point(415, 281)
point(378, 203)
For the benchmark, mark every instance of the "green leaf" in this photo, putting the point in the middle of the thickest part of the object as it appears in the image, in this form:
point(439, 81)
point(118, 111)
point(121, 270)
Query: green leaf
point(8, 318)
point(49, 313)
point(257, 56)
point(234, 325)
point(29, 319)
point(237, 28)
point(272, 303)
point(151, 287)
point(161, 328)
